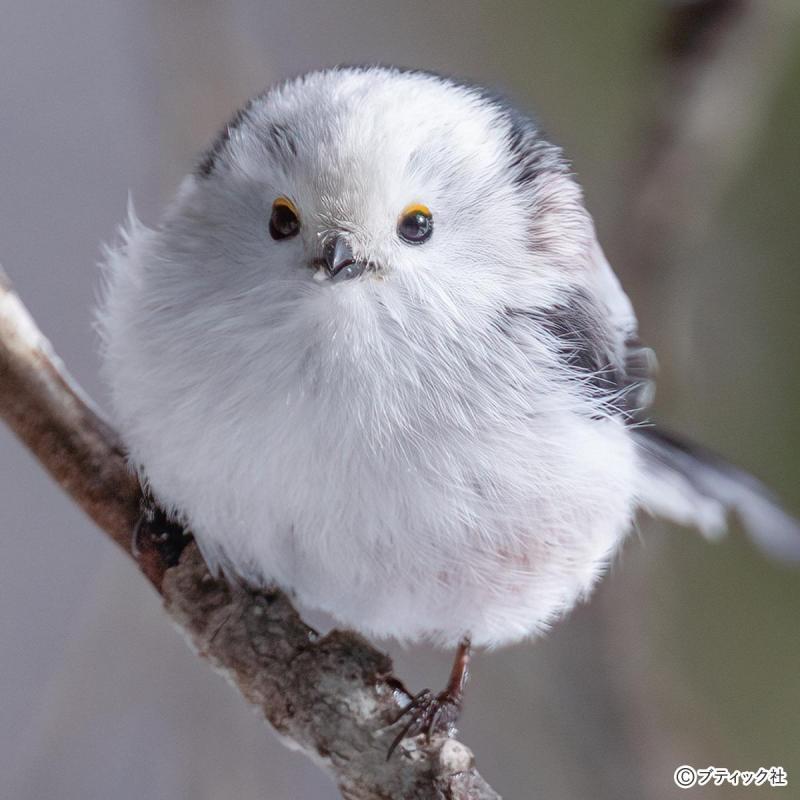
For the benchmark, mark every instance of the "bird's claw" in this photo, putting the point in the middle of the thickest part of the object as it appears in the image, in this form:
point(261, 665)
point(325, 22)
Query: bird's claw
point(428, 714)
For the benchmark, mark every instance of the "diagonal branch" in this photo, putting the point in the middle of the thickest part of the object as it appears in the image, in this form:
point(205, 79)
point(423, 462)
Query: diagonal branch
point(333, 696)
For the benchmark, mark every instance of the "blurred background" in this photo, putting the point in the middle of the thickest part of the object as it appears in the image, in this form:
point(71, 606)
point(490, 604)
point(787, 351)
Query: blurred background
point(688, 150)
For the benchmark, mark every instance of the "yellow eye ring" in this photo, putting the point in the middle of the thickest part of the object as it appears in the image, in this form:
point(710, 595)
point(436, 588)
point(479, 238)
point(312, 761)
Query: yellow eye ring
point(415, 224)
point(285, 202)
point(416, 208)
point(284, 222)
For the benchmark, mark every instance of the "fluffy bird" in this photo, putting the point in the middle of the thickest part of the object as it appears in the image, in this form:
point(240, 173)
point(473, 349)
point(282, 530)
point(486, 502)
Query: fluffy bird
point(373, 353)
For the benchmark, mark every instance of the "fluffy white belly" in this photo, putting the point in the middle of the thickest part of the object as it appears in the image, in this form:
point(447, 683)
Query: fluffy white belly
point(412, 482)
point(415, 539)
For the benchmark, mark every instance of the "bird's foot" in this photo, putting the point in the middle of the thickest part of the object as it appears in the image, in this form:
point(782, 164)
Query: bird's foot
point(428, 715)
point(156, 533)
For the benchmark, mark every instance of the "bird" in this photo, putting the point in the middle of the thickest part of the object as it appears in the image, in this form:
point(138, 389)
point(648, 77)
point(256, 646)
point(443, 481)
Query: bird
point(373, 353)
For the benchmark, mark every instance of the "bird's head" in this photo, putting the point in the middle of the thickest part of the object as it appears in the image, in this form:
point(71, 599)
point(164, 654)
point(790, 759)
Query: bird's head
point(363, 185)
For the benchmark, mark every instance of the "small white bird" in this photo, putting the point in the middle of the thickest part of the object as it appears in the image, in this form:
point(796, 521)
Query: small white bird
point(373, 353)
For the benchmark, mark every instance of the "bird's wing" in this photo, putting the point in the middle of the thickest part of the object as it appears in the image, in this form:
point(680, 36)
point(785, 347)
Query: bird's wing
point(631, 365)
point(593, 329)
point(680, 480)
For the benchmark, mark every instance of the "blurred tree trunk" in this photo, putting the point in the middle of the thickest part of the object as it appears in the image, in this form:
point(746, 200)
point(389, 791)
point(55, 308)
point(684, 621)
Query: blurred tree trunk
point(716, 66)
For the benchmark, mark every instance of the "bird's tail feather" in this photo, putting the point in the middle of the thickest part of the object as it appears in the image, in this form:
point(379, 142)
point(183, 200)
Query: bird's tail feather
point(692, 486)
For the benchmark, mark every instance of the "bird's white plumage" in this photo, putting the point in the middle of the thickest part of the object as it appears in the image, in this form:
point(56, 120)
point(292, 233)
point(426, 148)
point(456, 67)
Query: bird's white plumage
point(396, 450)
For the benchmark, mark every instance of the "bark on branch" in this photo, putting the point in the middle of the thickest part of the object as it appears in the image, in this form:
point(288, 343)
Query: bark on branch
point(331, 696)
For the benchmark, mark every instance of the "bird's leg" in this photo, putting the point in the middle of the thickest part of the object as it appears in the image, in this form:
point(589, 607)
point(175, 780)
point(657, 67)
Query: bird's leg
point(428, 713)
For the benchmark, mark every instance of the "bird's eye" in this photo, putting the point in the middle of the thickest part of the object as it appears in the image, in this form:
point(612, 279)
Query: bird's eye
point(415, 225)
point(284, 221)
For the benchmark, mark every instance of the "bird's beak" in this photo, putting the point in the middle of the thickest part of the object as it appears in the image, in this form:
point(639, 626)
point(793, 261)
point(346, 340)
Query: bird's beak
point(339, 261)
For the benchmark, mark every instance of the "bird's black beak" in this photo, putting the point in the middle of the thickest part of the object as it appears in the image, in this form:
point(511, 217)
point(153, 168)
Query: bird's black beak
point(339, 261)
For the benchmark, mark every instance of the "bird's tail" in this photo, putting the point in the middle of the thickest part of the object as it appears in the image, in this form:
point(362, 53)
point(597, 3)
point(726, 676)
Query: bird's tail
point(692, 486)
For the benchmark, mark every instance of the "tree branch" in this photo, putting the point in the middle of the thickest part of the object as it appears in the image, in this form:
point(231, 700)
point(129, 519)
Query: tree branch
point(333, 696)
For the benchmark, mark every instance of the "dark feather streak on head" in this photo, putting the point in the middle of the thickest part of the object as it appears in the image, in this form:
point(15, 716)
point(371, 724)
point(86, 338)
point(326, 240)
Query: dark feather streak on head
point(532, 155)
point(209, 159)
point(277, 138)
point(542, 174)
